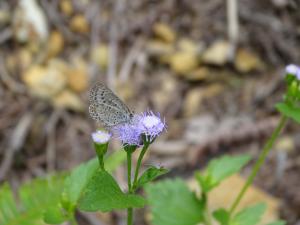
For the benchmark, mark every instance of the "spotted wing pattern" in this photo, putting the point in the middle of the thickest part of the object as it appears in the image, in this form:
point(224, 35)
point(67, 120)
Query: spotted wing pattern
point(106, 107)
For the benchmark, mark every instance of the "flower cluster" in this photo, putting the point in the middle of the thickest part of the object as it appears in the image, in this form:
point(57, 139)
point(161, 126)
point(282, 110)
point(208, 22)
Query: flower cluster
point(148, 124)
point(293, 70)
point(101, 137)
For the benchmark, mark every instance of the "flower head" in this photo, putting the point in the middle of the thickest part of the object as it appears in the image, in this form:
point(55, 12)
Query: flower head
point(292, 69)
point(129, 133)
point(151, 125)
point(101, 137)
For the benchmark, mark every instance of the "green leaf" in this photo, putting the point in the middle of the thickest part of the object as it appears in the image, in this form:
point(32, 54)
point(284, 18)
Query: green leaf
point(55, 215)
point(222, 216)
point(278, 222)
point(150, 174)
point(249, 216)
point(103, 193)
point(289, 110)
point(172, 203)
point(219, 169)
point(79, 178)
point(34, 197)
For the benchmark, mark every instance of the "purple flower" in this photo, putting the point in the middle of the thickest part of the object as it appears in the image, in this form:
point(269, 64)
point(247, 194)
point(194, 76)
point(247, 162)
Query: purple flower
point(129, 133)
point(151, 125)
point(101, 137)
point(293, 69)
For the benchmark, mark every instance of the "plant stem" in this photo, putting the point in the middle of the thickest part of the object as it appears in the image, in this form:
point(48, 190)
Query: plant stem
point(259, 162)
point(207, 219)
point(129, 210)
point(139, 163)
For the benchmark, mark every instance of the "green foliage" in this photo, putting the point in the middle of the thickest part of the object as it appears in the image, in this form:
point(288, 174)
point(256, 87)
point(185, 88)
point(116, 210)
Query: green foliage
point(103, 193)
point(289, 110)
point(278, 222)
point(34, 197)
point(219, 169)
point(172, 203)
point(249, 216)
point(222, 216)
point(76, 183)
point(149, 175)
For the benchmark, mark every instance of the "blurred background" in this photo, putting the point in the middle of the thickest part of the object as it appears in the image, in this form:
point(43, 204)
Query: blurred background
point(213, 69)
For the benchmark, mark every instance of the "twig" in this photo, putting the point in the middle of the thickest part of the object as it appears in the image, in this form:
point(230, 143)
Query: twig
point(113, 43)
point(50, 131)
point(8, 80)
point(15, 143)
point(129, 61)
point(233, 26)
point(5, 35)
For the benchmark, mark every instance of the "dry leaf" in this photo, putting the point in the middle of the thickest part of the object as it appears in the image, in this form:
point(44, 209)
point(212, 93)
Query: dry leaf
point(217, 54)
point(223, 196)
point(198, 74)
point(164, 32)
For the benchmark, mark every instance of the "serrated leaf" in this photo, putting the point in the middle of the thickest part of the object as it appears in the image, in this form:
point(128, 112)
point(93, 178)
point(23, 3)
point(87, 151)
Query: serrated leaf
point(150, 174)
point(80, 176)
point(222, 216)
point(54, 215)
point(219, 169)
point(289, 110)
point(103, 193)
point(249, 216)
point(278, 222)
point(172, 203)
point(32, 201)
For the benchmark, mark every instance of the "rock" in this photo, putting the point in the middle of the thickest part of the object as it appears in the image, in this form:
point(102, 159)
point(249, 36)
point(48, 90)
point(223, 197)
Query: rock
point(69, 100)
point(66, 7)
point(79, 24)
point(198, 74)
point(217, 53)
point(44, 82)
point(183, 62)
point(164, 32)
point(29, 22)
point(194, 98)
point(99, 55)
point(247, 61)
point(55, 44)
point(78, 78)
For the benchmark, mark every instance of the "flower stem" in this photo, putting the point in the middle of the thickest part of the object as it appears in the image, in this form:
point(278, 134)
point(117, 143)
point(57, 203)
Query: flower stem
point(259, 162)
point(207, 218)
point(139, 163)
point(129, 210)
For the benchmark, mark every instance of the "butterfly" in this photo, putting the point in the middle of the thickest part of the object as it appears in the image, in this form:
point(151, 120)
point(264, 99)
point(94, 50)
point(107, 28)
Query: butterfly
point(107, 108)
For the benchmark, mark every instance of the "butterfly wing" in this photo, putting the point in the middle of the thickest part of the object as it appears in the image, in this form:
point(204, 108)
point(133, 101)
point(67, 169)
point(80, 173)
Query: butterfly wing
point(106, 107)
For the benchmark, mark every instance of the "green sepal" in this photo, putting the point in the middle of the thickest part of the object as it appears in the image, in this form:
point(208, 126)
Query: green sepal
point(130, 148)
point(101, 150)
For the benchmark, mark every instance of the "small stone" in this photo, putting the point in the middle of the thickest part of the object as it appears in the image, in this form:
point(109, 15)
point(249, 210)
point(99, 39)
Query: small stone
point(99, 55)
point(68, 100)
point(79, 24)
point(217, 53)
point(55, 44)
point(183, 62)
point(66, 7)
point(247, 61)
point(164, 32)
